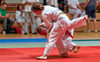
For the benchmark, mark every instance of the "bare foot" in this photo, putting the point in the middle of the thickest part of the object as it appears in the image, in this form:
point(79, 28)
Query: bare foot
point(76, 49)
point(64, 55)
point(41, 57)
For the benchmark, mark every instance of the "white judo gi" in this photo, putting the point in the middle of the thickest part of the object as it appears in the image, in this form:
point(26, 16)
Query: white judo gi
point(76, 12)
point(66, 40)
point(20, 18)
point(30, 17)
point(58, 23)
point(52, 2)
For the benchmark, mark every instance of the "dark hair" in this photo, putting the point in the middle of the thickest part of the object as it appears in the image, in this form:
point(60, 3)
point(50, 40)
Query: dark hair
point(4, 3)
point(37, 6)
point(1, 1)
point(19, 6)
point(39, 29)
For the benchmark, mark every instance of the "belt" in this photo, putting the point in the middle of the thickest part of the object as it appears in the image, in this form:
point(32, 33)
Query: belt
point(69, 34)
point(66, 32)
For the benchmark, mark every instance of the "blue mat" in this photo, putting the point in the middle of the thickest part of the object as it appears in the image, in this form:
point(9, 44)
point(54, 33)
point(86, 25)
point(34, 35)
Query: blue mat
point(36, 40)
point(22, 40)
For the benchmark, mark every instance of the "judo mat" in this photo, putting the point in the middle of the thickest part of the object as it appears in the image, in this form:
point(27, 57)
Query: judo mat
point(26, 50)
point(85, 54)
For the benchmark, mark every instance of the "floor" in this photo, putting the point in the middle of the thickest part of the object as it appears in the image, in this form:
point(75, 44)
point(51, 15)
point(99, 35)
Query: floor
point(30, 40)
point(25, 48)
point(77, 35)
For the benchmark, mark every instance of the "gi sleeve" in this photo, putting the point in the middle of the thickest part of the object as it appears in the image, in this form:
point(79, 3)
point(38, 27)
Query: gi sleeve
point(47, 20)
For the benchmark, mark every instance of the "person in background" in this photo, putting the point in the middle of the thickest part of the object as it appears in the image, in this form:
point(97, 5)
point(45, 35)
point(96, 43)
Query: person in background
point(52, 3)
point(44, 2)
point(62, 5)
point(75, 8)
point(30, 17)
point(19, 16)
point(90, 7)
point(4, 16)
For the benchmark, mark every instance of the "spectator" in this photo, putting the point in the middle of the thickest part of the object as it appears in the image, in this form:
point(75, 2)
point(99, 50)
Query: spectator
point(90, 7)
point(61, 4)
point(52, 3)
point(4, 16)
point(29, 15)
point(19, 15)
point(75, 8)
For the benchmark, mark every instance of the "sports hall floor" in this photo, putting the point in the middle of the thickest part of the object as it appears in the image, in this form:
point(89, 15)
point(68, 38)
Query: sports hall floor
point(24, 48)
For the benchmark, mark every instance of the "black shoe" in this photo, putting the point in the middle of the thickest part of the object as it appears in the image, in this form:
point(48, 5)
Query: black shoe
point(34, 33)
point(25, 33)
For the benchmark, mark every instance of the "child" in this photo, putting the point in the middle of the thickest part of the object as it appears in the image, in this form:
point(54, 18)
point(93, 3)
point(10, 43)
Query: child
point(70, 46)
point(30, 17)
point(19, 16)
point(57, 23)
